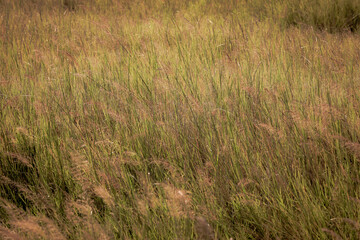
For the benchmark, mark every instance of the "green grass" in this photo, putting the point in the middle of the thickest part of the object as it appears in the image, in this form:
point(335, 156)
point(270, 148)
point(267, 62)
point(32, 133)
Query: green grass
point(329, 15)
point(178, 120)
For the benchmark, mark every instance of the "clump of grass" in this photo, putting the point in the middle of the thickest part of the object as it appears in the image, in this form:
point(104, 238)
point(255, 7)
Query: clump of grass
point(328, 15)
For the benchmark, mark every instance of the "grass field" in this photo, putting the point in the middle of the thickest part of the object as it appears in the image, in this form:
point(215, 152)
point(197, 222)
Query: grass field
point(166, 119)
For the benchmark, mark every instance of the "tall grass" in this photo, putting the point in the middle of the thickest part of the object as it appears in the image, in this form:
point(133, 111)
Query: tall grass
point(176, 120)
point(330, 15)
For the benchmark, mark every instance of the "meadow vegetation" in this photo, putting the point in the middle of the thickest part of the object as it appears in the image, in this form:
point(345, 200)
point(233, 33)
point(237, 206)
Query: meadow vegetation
point(177, 119)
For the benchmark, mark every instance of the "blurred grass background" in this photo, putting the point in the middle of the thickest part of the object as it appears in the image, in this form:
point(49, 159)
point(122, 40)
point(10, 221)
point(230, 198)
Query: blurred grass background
point(179, 119)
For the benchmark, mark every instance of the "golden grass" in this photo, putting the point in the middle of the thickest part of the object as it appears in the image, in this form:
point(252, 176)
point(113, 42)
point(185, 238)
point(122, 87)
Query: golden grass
point(178, 120)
